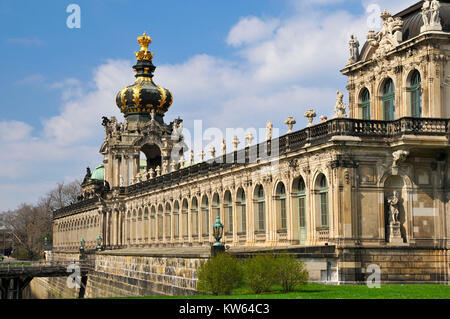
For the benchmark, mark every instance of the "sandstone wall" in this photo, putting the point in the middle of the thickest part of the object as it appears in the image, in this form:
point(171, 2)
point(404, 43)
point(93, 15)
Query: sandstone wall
point(399, 265)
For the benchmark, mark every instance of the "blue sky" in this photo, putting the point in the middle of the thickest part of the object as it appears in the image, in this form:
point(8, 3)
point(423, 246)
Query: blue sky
point(229, 63)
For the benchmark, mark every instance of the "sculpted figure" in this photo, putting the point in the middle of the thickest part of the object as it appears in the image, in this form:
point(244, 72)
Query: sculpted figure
point(340, 106)
point(434, 9)
point(393, 208)
point(425, 13)
point(354, 48)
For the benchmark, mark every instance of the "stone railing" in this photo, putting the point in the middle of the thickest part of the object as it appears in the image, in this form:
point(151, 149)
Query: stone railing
point(313, 135)
point(323, 234)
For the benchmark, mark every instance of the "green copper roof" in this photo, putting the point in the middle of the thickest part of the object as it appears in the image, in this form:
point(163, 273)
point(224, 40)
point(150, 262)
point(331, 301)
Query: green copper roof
point(99, 173)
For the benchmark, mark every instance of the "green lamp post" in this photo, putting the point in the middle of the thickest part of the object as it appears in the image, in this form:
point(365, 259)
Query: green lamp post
point(82, 244)
point(218, 231)
point(217, 247)
point(99, 242)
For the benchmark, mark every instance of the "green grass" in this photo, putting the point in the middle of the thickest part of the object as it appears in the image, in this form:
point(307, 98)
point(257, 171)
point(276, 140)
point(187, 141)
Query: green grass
point(320, 291)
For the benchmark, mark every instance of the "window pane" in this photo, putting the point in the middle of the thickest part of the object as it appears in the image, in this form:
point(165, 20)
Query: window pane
point(301, 208)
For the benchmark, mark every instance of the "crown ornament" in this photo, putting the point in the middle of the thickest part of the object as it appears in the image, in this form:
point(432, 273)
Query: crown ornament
point(144, 54)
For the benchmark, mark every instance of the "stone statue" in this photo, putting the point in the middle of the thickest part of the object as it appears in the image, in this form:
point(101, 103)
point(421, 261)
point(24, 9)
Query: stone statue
point(354, 49)
point(235, 143)
point(87, 177)
point(249, 138)
point(393, 202)
point(399, 156)
point(191, 160)
point(340, 106)
point(269, 127)
point(430, 16)
point(389, 37)
point(105, 121)
point(434, 10)
point(153, 114)
point(224, 147)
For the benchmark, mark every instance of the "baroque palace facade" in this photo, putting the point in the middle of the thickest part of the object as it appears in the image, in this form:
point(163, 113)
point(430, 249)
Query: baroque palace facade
point(377, 180)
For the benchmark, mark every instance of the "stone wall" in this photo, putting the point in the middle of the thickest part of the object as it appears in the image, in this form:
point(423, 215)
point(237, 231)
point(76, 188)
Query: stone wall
point(122, 275)
point(398, 265)
point(50, 288)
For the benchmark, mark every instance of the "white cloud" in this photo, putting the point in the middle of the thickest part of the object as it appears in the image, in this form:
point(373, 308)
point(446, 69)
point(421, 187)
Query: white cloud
point(251, 29)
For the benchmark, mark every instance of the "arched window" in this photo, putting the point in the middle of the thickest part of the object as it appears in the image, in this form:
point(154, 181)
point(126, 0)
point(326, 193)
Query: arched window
point(176, 219)
point(281, 209)
point(160, 222)
point(228, 206)
point(242, 211)
point(184, 212)
point(205, 216)
point(416, 94)
point(153, 223)
point(365, 104)
point(323, 193)
point(388, 100)
point(301, 197)
point(260, 209)
point(146, 224)
point(168, 223)
point(194, 216)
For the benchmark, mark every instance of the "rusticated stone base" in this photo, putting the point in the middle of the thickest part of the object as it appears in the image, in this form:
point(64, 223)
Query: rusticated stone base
point(397, 264)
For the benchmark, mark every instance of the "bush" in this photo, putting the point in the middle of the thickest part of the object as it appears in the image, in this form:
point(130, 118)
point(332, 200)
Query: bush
point(260, 273)
point(290, 272)
point(219, 275)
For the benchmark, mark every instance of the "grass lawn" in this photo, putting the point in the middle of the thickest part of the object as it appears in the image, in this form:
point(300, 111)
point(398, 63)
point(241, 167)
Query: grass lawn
point(319, 291)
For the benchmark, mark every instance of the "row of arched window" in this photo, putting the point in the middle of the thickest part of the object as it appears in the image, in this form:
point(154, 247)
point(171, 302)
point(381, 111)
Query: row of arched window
point(145, 225)
point(388, 98)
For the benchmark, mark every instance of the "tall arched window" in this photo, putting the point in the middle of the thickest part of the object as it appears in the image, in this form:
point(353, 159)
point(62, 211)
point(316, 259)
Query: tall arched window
point(168, 223)
point(323, 193)
point(242, 211)
point(365, 104)
point(145, 225)
point(281, 209)
point(388, 100)
point(228, 206)
point(176, 219)
point(260, 209)
point(205, 216)
point(160, 222)
point(416, 94)
point(153, 223)
point(301, 197)
point(184, 212)
point(194, 216)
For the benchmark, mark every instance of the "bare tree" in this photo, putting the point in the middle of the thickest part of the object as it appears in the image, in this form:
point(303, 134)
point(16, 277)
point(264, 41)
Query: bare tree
point(30, 224)
point(61, 196)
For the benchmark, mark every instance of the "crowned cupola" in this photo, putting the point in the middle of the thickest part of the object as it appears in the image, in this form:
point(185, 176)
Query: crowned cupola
point(144, 99)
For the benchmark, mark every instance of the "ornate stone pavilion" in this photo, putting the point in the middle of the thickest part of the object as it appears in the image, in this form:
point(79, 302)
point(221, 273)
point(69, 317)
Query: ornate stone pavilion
point(373, 186)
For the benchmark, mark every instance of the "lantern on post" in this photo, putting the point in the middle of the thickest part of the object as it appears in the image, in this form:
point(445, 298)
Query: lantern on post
point(218, 231)
point(99, 242)
point(217, 247)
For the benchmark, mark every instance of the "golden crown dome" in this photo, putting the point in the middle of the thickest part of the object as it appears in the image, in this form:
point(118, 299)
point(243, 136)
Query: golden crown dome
point(144, 96)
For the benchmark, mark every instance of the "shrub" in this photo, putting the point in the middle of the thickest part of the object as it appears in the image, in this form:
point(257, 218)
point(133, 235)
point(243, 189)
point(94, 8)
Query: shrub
point(260, 273)
point(219, 275)
point(290, 272)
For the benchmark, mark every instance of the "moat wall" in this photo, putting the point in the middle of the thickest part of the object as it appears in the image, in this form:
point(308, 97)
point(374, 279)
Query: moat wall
point(124, 273)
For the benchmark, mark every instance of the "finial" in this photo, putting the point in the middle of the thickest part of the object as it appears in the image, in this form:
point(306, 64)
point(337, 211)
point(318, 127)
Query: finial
point(290, 122)
point(144, 41)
